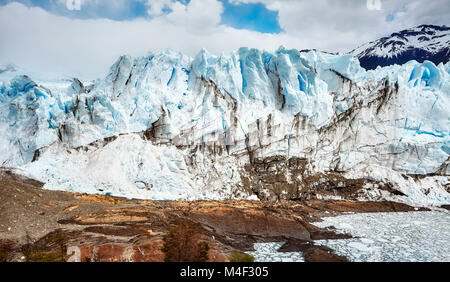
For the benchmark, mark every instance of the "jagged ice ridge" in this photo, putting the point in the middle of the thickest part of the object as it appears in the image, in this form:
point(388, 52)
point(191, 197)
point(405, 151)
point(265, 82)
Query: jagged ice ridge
point(168, 126)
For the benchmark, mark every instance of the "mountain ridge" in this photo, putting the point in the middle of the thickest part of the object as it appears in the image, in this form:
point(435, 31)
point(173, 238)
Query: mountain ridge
point(424, 42)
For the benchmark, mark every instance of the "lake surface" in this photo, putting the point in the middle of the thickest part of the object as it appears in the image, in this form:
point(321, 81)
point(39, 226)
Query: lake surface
point(268, 252)
point(392, 237)
point(379, 237)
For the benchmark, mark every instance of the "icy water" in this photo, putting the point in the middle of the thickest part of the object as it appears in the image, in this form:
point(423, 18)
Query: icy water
point(392, 237)
point(268, 252)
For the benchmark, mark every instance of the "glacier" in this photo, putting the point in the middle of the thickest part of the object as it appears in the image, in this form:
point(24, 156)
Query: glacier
point(168, 126)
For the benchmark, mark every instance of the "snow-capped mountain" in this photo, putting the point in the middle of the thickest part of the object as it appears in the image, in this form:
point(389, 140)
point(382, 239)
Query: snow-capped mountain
point(425, 42)
point(248, 124)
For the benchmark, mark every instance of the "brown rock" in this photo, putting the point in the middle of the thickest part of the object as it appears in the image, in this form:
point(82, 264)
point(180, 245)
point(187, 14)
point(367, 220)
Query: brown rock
point(447, 207)
point(71, 208)
point(149, 251)
point(126, 231)
point(106, 219)
point(109, 253)
point(87, 253)
point(99, 199)
point(322, 255)
point(312, 252)
point(217, 256)
point(251, 222)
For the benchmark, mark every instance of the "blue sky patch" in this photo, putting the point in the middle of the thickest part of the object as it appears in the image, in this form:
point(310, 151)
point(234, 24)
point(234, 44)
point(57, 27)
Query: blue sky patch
point(251, 16)
point(391, 16)
point(89, 10)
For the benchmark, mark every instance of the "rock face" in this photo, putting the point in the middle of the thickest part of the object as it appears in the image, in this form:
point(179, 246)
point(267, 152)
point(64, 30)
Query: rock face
point(281, 125)
point(105, 228)
point(425, 42)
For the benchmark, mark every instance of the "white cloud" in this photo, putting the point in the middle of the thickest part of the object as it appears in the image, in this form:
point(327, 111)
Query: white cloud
point(198, 16)
point(157, 7)
point(345, 24)
point(35, 39)
point(93, 8)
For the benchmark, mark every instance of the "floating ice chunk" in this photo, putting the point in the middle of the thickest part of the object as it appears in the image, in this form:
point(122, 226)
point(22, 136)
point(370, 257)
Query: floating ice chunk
point(412, 236)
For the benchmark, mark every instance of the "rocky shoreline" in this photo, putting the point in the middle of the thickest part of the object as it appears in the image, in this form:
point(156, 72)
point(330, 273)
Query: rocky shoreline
point(105, 228)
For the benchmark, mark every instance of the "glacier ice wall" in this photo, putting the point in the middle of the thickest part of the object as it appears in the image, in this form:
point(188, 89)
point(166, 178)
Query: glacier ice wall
point(251, 104)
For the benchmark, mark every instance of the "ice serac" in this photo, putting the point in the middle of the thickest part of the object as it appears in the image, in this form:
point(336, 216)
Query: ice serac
point(248, 124)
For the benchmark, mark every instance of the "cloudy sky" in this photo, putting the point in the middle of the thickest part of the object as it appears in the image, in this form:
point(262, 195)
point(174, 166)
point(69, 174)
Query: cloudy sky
point(84, 37)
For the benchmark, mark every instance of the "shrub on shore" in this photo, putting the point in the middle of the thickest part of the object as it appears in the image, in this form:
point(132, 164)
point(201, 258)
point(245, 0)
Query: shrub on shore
point(182, 244)
point(241, 257)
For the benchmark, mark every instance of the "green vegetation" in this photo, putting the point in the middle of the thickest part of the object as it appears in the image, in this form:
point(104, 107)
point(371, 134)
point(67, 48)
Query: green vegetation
point(36, 252)
point(241, 257)
point(182, 244)
point(6, 250)
point(52, 256)
point(203, 249)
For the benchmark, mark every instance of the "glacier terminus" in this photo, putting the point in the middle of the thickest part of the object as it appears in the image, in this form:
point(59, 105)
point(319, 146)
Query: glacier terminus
point(248, 124)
